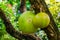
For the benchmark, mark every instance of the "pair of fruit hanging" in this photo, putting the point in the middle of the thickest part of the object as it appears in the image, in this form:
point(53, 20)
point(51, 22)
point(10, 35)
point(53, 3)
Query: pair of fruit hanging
point(29, 22)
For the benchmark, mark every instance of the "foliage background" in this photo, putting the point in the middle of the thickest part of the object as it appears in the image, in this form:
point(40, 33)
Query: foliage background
point(11, 9)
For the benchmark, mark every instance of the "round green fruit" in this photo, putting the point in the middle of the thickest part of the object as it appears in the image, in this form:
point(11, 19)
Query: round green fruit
point(25, 22)
point(41, 20)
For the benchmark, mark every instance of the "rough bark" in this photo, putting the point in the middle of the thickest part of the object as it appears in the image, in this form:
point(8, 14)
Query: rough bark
point(52, 29)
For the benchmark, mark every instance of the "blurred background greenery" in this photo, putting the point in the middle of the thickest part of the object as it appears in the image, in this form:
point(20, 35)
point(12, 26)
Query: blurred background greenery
point(11, 9)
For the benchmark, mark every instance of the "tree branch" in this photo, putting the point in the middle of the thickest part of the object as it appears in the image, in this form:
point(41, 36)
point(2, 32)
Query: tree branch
point(12, 31)
point(52, 30)
point(22, 6)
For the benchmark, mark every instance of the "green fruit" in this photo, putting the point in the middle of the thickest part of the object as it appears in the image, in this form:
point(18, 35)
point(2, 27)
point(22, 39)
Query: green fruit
point(25, 22)
point(41, 20)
